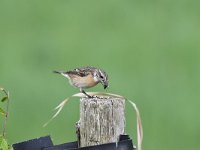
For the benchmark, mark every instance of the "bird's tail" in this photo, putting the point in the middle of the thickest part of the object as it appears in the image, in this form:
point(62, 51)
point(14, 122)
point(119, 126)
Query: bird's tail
point(59, 72)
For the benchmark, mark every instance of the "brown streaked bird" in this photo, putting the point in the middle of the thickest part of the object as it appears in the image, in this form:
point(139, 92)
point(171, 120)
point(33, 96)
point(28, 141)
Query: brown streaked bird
point(85, 77)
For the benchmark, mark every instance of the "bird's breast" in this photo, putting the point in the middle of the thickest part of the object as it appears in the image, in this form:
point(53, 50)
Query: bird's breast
point(83, 82)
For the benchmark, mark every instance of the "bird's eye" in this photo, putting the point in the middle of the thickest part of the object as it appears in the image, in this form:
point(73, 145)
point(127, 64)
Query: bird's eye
point(101, 77)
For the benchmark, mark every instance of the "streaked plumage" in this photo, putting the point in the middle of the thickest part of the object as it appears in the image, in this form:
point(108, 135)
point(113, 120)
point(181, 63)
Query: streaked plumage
point(86, 77)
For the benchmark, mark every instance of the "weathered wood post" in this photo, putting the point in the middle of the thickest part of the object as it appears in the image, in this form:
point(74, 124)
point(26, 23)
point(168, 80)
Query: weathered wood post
point(102, 120)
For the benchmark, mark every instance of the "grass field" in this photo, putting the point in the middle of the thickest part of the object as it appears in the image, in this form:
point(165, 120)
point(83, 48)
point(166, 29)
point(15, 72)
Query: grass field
point(150, 49)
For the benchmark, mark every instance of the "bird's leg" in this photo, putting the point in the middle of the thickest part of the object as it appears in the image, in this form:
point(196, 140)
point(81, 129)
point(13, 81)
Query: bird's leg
point(81, 90)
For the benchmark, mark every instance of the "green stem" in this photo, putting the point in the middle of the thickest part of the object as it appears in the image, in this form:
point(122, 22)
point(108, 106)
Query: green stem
point(6, 116)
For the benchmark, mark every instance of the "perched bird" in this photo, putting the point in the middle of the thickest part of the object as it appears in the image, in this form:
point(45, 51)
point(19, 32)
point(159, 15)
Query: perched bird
point(85, 77)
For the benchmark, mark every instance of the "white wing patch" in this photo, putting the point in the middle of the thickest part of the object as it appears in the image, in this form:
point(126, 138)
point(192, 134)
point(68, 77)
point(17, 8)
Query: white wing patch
point(65, 75)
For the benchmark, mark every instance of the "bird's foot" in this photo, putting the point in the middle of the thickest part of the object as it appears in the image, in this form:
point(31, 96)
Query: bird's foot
point(92, 96)
point(99, 97)
point(89, 96)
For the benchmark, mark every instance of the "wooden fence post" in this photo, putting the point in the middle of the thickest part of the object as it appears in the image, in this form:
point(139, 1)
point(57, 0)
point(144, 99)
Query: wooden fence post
point(102, 120)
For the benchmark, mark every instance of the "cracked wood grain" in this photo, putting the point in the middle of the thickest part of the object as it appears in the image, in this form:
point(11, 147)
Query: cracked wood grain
point(102, 120)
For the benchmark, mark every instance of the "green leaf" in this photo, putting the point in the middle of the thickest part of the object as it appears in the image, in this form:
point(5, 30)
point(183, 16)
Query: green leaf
point(3, 144)
point(4, 99)
point(2, 111)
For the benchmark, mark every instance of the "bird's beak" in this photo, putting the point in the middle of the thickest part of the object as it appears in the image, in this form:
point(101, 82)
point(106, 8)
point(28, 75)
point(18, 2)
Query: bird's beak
point(105, 86)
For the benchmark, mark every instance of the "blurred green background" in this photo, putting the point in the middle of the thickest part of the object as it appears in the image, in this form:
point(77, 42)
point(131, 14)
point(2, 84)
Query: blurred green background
point(150, 49)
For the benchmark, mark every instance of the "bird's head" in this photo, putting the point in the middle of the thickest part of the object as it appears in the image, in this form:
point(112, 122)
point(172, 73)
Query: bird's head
point(101, 77)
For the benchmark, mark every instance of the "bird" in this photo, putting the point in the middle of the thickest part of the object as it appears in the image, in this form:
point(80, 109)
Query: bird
point(86, 77)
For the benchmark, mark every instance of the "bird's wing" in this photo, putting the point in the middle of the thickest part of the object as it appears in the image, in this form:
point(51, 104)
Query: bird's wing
point(78, 73)
point(84, 71)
